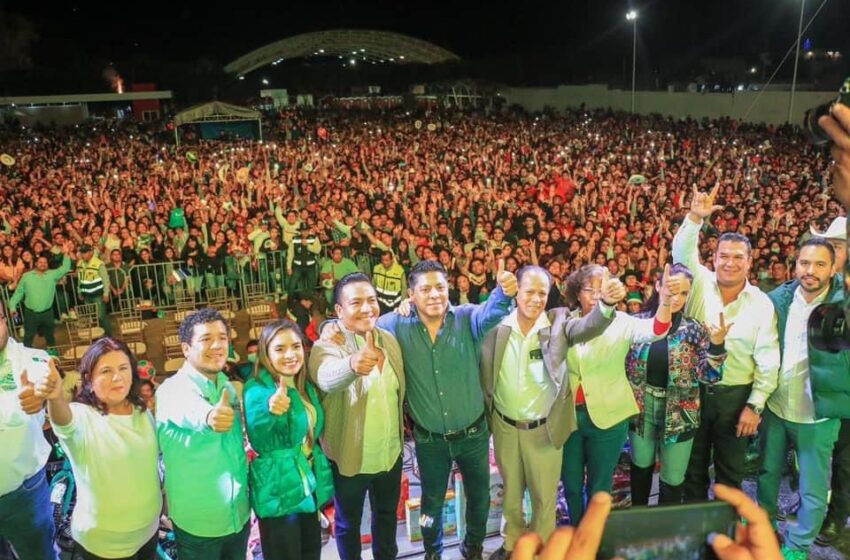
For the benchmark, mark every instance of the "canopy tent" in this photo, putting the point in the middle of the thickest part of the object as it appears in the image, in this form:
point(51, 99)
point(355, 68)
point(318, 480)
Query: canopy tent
point(216, 112)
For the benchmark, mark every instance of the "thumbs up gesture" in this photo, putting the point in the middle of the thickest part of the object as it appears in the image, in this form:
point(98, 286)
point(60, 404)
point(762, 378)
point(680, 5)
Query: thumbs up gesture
point(613, 291)
point(365, 360)
point(506, 279)
point(279, 401)
point(50, 387)
point(30, 402)
point(670, 285)
point(221, 417)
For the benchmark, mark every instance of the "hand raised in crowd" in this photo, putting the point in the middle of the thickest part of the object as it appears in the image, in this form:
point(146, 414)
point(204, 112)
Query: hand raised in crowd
point(30, 402)
point(753, 541)
point(837, 125)
point(365, 359)
point(671, 285)
point(569, 543)
point(717, 334)
point(279, 401)
point(507, 280)
point(613, 291)
point(50, 386)
point(222, 415)
point(703, 204)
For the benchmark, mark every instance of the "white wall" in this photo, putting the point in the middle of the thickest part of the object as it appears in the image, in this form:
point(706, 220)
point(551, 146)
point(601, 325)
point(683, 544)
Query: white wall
point(772, 107)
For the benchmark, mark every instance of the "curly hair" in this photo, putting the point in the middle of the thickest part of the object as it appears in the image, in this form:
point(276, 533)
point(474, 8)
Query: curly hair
point(88, 364)
point(199, 317)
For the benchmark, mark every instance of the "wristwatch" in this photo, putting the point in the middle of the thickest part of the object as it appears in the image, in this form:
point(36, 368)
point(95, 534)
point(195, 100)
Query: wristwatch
point(757, 409)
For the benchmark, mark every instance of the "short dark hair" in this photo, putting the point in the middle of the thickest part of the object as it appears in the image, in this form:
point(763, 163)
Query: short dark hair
point(199, 317)
point(353, 278)
point(532, 268)
point(100, 347)
point(252, 342)
point(576, 281)
point(732, 237)
point(820, 242)
point(424, 267)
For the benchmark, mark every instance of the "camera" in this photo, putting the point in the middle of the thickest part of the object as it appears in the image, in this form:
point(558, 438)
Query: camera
point(828, 328)
point(816, 134)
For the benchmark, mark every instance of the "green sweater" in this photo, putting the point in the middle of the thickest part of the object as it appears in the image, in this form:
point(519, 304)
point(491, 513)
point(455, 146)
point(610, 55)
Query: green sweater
point(281, 480)
point(38, 290)
point(830, 373)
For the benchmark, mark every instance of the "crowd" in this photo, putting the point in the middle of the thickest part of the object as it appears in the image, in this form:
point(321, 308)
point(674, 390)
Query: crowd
point(449, 255)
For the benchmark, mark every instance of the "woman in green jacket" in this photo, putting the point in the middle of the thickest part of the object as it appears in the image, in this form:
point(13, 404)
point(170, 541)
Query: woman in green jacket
point(291, 478)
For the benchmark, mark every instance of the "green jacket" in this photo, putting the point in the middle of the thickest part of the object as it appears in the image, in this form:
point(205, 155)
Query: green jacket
point(281, 480)
point(830, 373)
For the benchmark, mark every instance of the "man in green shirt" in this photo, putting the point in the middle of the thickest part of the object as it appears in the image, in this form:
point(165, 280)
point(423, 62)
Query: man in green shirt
point(199, 428)
point(37, 290)
point(334, 269)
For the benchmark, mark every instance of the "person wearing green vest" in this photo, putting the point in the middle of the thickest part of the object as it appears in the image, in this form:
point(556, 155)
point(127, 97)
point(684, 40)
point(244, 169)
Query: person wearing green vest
point(390, 282)
point(291, 478)
point(93, 284)
point(37, 290)
point(199, 428)
point(812, 397)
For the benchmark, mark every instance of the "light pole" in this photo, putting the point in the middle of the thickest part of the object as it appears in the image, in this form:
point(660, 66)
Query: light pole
point(632, 17)
point(796, 60)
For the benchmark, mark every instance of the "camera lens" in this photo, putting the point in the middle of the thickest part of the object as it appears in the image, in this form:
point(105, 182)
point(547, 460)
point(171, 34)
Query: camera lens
point(828, 328)
point(816, 134)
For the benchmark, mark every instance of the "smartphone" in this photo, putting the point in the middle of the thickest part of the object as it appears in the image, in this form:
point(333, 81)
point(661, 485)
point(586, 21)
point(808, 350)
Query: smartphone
point(666, 532)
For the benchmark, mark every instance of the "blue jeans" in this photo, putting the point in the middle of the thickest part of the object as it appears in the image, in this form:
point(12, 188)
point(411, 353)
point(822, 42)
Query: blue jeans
point(435, 457)
point(645, 447)
point(26, 519)
point(595, 450)
point(813, 443)
point(228, 547)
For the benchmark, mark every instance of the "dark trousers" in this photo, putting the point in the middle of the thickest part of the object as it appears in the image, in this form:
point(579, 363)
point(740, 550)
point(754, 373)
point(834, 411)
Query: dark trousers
point(839, 506)
point(384, 489)
point(229, 547)
point(292, 537)
point(147, 552)
point(303, 279)
point(38, 322)
point(595, 451)
point(26, 519)
point(716, 439)
point(435, 457)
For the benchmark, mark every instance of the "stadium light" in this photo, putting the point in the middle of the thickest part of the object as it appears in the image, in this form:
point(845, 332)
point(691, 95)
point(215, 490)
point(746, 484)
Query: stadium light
point(632, 17)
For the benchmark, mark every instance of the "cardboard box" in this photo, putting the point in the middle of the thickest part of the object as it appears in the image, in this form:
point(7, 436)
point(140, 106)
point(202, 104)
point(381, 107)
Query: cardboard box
point(412, 517)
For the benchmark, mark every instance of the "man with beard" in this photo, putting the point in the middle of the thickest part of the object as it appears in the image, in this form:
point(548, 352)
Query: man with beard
point(810, 399)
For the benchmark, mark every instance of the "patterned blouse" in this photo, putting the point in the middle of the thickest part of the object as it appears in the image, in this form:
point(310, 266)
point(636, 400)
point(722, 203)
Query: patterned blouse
point(691, 362)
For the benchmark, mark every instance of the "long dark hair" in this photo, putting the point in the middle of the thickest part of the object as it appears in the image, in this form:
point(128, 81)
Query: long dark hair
point(88, 363)
point(651, 305)
point(266, 336)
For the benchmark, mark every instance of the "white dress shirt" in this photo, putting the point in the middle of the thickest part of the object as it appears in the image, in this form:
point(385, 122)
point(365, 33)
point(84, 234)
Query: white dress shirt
point(752, 345)
point(524, 390)
point(793, 400)
point(23, 449)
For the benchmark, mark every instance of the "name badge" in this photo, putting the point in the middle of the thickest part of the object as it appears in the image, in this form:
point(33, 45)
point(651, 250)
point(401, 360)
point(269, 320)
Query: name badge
point(535, 354)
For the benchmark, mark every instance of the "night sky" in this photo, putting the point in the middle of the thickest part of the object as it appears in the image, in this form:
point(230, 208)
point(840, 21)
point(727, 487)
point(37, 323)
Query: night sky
point(587, 34)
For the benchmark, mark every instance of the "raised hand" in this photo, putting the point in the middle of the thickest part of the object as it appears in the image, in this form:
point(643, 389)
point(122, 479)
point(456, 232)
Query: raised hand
point(703, 204)
point(613, 291)
point(506, 279)
point(29, 401)
point(222, 416)
point(365, 360)
point(279, 401)
point(50, 387)
point(717, 334)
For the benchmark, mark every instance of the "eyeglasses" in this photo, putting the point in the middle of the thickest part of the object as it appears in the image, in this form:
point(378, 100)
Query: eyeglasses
point(592, 291)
